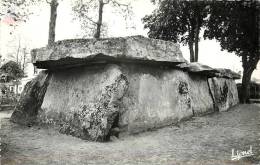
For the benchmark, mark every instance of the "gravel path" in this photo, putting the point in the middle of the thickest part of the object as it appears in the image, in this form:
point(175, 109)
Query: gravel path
point(206, 140)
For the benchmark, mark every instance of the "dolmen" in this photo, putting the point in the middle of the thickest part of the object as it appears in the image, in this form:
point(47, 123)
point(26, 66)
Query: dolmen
point(94, 89)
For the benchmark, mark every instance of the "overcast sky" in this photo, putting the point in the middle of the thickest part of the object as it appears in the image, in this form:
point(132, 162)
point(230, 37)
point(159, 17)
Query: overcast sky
point(34, 33)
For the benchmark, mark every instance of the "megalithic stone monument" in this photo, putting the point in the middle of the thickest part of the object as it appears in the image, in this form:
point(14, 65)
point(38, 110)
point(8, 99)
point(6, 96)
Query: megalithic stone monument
point(119, 86)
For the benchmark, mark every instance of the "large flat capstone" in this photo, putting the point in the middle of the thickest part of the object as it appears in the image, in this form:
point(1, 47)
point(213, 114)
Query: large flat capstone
point(77, 52)
point(207, 71)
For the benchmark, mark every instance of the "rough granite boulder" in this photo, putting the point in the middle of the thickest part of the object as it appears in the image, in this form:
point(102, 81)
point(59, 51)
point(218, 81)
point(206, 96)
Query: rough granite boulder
point(77, 52)
point(26, 110)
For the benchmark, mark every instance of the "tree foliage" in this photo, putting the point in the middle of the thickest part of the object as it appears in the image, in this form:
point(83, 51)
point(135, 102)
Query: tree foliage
point(12, 69)
point(12, 11)
point(235, 24)
point(178, 21)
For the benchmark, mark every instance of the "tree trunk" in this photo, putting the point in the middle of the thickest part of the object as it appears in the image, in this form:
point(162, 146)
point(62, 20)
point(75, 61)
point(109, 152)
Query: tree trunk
point(18, 50)
point(16, 87)
point(24, 57)
point(191, 41)
point(245, 89)
point(197, 32)
point(99, 22)
point(52, 24)
point(249, 66)
point(192, 59)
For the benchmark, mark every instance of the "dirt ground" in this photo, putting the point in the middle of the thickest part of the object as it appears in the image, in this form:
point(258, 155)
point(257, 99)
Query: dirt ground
point(206, 140)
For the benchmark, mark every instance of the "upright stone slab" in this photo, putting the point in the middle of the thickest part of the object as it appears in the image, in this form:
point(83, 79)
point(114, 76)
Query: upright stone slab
point(202, 101)
point(200, 92)
point(224, 93)
point(85, 101)
point(224, 89)
point(156, 97)
point(221, 87)
point(31, 99)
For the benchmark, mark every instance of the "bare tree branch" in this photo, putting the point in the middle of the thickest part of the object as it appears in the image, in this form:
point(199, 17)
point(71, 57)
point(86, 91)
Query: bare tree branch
point(88, 10)
point(49, 2)
point(82, 9)
point(91, 19)
point(119, 4)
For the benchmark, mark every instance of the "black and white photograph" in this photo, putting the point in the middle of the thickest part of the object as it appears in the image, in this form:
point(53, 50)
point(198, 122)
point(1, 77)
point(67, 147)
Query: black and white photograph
point(129, 82)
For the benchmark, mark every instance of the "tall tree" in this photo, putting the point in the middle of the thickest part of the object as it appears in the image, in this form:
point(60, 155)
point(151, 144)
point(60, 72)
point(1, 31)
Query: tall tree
point(178, 21)
point(91, 12)
point(235, 24)
point(52, 22)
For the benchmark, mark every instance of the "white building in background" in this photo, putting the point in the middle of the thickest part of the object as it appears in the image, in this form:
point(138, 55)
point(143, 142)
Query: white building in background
point(18, 87)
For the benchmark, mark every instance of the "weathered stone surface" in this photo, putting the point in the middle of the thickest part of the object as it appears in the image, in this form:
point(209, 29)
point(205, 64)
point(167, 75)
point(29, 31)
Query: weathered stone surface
point(205, 70)
point(31, 99)
point(198, 68)
point(157, 97)
point(71, 53)
point(224, 92)
point(202, 101)
point(227, 73)
point(107, 87)
point(84, 102)
point(100, 100)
